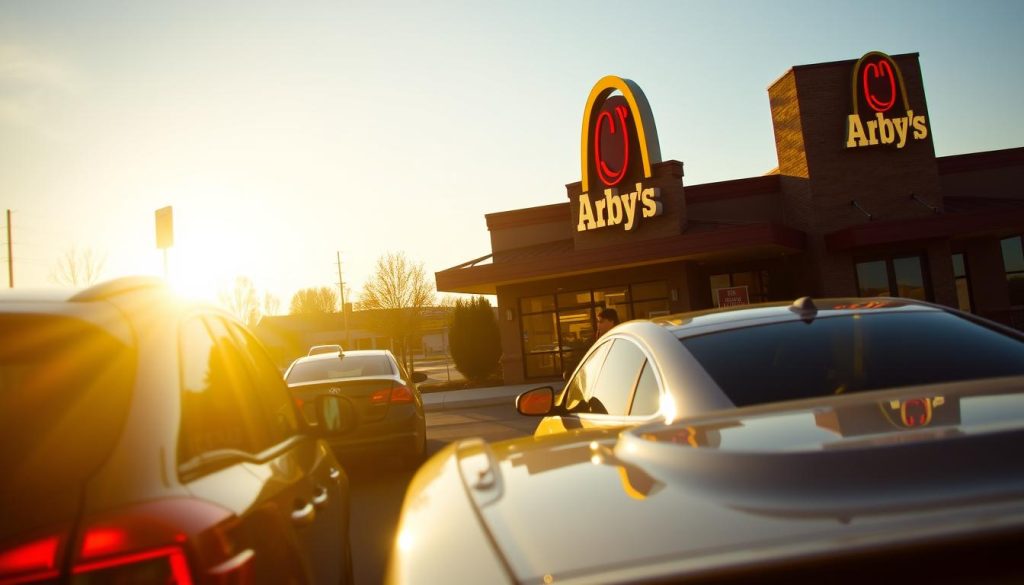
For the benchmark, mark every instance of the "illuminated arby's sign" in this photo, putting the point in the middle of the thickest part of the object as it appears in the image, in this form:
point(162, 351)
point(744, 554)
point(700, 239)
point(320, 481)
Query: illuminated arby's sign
point(618, 146)
point(881, 110)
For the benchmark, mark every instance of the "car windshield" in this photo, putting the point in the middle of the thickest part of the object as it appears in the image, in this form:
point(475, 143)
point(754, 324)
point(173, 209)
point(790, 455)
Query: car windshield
point(852, 353)
point(65, 387)
point(346, 366)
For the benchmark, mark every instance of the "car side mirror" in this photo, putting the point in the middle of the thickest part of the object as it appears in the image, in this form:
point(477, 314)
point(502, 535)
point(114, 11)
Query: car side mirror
point(418, 377)
point(335, 415)
point(536, 402)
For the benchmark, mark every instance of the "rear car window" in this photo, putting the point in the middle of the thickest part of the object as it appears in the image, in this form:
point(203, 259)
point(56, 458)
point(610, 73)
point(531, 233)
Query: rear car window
point(65, 387)
point(346, 366)
point(852, 353)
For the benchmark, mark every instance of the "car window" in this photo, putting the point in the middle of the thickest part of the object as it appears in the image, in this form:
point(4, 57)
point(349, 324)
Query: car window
point(615, 382)
point(577, 391)
point(212, 416)
point(647, 399)
point(65, 390)
point(852, 353)
point(336, 368)
point(268, 387)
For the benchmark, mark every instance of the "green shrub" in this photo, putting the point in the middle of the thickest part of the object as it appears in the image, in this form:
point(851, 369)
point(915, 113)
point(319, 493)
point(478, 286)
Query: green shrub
point(473, 338)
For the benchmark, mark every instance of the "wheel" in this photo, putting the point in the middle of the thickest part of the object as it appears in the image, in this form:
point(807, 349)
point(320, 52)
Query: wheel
point(415, 457)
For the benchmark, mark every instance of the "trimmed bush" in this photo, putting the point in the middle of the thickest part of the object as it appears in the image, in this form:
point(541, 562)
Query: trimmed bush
point(473, 338)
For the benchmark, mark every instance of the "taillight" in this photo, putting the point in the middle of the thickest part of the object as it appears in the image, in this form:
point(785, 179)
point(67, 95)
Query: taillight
point(30, 562)
point(401, 394)
point(394, 395)
point(163, 565)
point(168, 541)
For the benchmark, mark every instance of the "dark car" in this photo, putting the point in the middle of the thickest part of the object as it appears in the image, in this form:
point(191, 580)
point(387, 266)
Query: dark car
point(682, 365)
point(389, 409)
point(148, 440)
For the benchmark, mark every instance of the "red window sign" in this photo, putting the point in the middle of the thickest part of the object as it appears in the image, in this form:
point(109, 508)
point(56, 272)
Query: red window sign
point(732, 296)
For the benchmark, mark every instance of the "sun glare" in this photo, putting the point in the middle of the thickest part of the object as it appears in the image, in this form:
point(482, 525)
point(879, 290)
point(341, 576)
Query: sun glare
point(196, 268)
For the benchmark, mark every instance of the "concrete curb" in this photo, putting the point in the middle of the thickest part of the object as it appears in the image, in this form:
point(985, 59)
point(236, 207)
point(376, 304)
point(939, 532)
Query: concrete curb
point(437, 401)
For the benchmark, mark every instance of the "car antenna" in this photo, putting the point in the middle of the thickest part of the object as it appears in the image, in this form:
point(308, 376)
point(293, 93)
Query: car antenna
point(805, 307)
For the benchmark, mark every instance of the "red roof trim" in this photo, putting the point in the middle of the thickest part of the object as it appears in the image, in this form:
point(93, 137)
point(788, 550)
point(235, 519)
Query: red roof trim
point(937, 226)
point(979, 161)
point(557, 212)
point(477, 278)
point(749, 187)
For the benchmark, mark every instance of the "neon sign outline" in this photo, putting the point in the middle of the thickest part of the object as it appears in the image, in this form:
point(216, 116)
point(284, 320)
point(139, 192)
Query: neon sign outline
point(643, 118)
point(869, 96)
point(608, 176)
point(863, 63)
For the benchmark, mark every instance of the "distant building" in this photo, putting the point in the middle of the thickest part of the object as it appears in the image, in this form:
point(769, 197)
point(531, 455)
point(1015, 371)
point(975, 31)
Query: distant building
point(290, 336)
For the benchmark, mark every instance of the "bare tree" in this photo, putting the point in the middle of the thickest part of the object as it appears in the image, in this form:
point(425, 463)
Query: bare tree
point(79, 267)
point(271, 304)
point(397, 291)
point(243, 301)
point(322, 299)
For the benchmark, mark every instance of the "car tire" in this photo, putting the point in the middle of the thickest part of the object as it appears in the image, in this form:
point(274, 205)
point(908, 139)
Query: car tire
point(415, 457)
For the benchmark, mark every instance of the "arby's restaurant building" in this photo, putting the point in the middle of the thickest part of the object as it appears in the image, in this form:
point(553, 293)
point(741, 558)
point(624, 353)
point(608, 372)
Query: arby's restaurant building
point(859, 206)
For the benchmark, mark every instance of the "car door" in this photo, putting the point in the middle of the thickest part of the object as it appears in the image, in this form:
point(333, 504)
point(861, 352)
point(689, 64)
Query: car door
point(228, 454)
point(324, 533)
point(600, 393)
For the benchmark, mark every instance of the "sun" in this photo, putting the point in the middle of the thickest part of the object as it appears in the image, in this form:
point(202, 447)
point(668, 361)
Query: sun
point(198, 267)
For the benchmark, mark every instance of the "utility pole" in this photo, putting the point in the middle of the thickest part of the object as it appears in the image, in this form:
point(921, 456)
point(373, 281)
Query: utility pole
point(10, 252)
point(341, 289)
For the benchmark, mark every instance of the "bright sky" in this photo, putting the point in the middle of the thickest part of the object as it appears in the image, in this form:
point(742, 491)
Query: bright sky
point(282, 133)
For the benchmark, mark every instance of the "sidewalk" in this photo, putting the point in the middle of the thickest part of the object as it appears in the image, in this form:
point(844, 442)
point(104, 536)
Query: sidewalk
point(435, 401)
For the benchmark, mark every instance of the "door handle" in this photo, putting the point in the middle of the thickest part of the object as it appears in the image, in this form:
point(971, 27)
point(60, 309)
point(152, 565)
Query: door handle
point(320, 496)
point(304, 515)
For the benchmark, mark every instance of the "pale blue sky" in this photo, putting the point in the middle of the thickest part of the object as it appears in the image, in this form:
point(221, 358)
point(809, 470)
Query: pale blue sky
point(291, 130)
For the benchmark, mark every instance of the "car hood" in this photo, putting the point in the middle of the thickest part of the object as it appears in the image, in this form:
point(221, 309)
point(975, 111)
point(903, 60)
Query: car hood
point(754, 485)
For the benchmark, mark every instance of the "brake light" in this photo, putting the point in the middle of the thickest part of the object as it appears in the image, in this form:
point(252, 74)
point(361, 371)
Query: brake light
point(401, 394)
point(394, 395)
point(162, 565)
point(30, 562)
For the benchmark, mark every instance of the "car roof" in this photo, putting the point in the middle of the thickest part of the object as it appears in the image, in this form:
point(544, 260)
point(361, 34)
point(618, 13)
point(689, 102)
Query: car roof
point(352, 352)
point(805, 308)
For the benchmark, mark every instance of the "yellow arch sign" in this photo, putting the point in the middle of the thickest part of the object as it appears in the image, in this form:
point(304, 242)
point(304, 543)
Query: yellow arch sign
point(647, 133)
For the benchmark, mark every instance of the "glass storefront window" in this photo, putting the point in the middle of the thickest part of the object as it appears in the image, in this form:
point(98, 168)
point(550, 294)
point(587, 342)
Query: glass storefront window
point(872, 279)
point(574, 299)
point(558, 329)
point(575, 327)
point(756, 282)
point(539, 333)
point(897, 277)
point(1013, 262)
point(543, 366)
point(615, 298)
point(650, 290)
point(648, 309)
point(909, 278)
point(720, 281)
point(537, 304)
point(1013, 254)
point(963, 290)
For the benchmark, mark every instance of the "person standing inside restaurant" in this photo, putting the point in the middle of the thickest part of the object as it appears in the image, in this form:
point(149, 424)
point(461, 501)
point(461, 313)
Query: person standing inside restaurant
point(606, 319)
